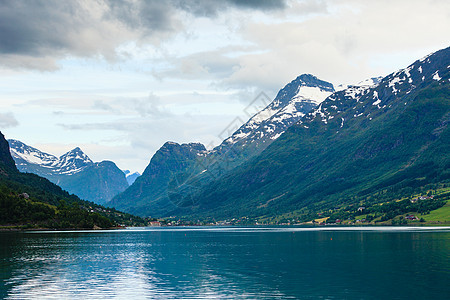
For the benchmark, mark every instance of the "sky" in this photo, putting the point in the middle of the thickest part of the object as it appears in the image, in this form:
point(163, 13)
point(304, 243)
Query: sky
point(119, 78)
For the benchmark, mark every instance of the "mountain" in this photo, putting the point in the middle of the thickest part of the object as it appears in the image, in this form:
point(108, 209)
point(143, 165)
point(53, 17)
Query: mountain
point(361, 145)
point(7, 163)
point(161, 187)
point(131, 177)
point(27, 199)
point(292, 102)
point(30, 201)
point(148, 195)
point(74, 171)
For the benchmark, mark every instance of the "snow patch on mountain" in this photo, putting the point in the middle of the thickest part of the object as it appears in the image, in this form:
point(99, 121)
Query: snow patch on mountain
point(30, 154)
point(436, 76)
point(311, 93)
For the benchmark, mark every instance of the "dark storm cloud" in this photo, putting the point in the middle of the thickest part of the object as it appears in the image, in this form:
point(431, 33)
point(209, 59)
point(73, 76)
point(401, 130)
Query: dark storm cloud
point(211, 8)
point(51, 29)
point(158, 15)
point(149, 16)
point(32, 27)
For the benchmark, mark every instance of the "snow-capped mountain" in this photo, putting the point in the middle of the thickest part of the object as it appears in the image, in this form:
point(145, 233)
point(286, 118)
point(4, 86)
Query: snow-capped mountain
point(359, 145)
point(292, 102)
point(73, 162)
point(26, 156)
point(74, 171)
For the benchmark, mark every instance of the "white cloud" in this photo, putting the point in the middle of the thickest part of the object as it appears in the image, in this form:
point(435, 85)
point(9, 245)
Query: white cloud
point(7, 120)
point(344, 44)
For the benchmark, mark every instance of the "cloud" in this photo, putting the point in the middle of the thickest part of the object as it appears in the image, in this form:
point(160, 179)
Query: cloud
point(7, 120)
point(148, 18)
point(215, 64)
point(142, 107)
point(147, 135)
point(345, 42)
point(36, 34)
point(211, 8)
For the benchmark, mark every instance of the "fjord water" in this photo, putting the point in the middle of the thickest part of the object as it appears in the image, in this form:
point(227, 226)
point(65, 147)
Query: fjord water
point(230, 263)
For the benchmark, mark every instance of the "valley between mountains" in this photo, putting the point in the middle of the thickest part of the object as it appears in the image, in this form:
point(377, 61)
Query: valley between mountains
point(374, 152)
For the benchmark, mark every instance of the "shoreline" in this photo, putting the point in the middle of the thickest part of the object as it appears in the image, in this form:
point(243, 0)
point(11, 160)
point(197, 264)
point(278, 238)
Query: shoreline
point(17, 228)
point(261, 227)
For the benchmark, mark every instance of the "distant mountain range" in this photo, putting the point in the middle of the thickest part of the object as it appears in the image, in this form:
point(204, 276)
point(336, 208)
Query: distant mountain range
point(27, 201)
point(311, 149)
point(74, 171)
point(131, 177)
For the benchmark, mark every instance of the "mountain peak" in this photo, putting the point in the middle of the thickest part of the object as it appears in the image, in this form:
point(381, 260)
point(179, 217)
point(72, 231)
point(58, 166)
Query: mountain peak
point(292, 102)
point(73, 161)
point(194, 146)
point(313, 81)
point(24, 154)
point(77, 153)
point(76, 150)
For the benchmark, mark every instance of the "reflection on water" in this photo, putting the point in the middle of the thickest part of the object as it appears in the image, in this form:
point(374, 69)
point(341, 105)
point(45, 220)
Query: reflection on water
point(231, 263)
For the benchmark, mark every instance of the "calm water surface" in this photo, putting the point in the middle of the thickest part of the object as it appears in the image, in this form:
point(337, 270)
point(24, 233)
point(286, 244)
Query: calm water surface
point(230, 263)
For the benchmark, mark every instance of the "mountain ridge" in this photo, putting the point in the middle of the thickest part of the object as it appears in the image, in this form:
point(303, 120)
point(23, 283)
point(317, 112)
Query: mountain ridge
point(74, 171)
point(358, 143)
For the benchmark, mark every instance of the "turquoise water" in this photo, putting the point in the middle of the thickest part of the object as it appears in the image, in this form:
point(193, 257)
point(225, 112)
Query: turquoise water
point(227, 263)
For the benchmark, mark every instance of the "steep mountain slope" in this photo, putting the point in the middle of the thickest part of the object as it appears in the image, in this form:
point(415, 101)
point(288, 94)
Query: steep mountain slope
point(74, 171)
point(359, 144)
point(161, 187)
point(7, 164)
point(149, 193)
